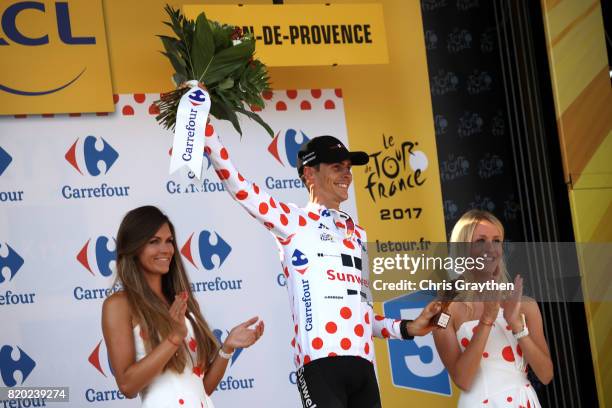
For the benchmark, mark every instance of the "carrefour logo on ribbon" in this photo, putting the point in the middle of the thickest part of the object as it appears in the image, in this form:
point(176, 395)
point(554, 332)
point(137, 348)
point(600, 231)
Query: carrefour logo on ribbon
point(416, 364)
point(206, 247)
point(290, 142)
point(12, 360)
point(87, 155)
point(98, 254)
point(197, 97)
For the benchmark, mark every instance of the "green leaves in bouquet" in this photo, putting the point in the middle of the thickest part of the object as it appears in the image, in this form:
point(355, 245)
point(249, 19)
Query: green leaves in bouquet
point(205, 50)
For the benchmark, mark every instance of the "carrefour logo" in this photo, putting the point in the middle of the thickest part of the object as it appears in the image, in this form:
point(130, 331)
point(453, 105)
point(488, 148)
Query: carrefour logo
point(11, 263)
point(230, 383)
point(87, 156)
point(5, 160)
point(290, 143)
point(206, 245)
point(197, 97)
point(96, 257)
point(12, 360)
point(100, 360)
point(416, 364)
point(103, 364)
point(92, 156)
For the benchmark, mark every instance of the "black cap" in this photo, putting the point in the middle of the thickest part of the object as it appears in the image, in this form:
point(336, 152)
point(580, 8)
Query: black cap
point(327, 149)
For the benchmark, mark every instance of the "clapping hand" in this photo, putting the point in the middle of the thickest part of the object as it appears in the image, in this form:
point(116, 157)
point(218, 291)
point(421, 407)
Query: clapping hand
point(177, 313)
point(243, 336)
point(423, 324)
point(512, 306)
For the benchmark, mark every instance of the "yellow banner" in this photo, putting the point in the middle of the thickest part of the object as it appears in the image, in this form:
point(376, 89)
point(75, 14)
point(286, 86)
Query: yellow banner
point(54, 58)
point(308, 34)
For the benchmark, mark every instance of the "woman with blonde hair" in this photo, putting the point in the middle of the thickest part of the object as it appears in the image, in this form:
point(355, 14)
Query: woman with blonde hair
point(158, 342)
point(491, 340)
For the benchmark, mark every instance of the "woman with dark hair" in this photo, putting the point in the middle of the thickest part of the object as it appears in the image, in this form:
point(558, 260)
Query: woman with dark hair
point(158, 342)
point(489, 343)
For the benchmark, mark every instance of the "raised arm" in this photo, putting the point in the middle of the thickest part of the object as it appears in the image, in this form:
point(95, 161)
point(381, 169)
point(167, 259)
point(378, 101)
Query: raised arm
point(131, 375)
point(281, 219)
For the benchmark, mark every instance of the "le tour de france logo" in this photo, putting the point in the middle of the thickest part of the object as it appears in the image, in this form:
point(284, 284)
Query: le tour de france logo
point(68, 39)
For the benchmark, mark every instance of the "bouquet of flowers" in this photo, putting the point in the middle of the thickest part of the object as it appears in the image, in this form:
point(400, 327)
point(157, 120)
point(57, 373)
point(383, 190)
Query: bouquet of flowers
point(221, 57)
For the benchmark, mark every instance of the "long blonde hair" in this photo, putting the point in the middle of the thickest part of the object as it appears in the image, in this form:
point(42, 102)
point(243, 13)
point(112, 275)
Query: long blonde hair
point(463, 232)
point(151, 312)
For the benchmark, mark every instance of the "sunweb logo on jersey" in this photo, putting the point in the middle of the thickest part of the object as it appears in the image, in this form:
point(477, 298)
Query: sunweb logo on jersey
point(416, 364)
point(290, 142)
point(206, 245)
point(90, 154)
point(12, 360)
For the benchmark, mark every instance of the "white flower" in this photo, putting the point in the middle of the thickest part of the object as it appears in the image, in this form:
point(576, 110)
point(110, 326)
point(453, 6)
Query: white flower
point(236, 42)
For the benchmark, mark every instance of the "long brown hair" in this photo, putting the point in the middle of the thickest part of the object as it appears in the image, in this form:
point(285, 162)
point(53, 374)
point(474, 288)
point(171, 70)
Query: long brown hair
point(151, 312)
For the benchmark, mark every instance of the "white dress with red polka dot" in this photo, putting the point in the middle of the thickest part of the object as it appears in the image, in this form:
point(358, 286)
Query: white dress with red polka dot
point(321, 256)
point(171, 389)
point(501, 380)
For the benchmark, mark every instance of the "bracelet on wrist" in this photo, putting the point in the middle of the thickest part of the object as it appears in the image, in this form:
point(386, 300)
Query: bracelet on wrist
point(490, 324)
point(225, 355)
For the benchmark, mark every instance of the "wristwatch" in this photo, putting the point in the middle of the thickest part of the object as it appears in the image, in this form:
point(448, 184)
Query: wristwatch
point(524, 332)
point(404, 330)
point(225, 355)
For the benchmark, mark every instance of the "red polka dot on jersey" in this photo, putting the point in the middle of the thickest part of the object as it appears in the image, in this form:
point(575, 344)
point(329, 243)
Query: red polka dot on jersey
point(285, 208)
point(255, 188)
point(140, 98)
point(241, 195)
point(316, 93)
point(359, 330)
point(345, 344)
point(367, 318)
point(291, 93)
point(485, 354)
point(305, 105)
point(306, 359)
point(358, 234)
point(385, 333)
point(340, 225)
point(299, 348)
point(263, 208)
point(295, 328)
point(347, 243)
point(193, 344)
point(286, 270)
point(367, 348)
point(314, 216)
point(507, 354)
point(297, 358)
point(485, 401)
point(509, 399)
point(153, 109)
point(272, 203)
point(331, 327)
point(127, 110)
point(329, 104)
point(379, 318)
point(207, 150)
point(519, 351)
point(283, 219)
point(465, 342)
point(224, 175)
point(302, 221)
point(293, 342)
point(181, 401)
point(223, 153)
point(268, 225)
point(240, 177)
point(208, 132)
point(346, 313)
point(332, 354)
point(317, 343)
